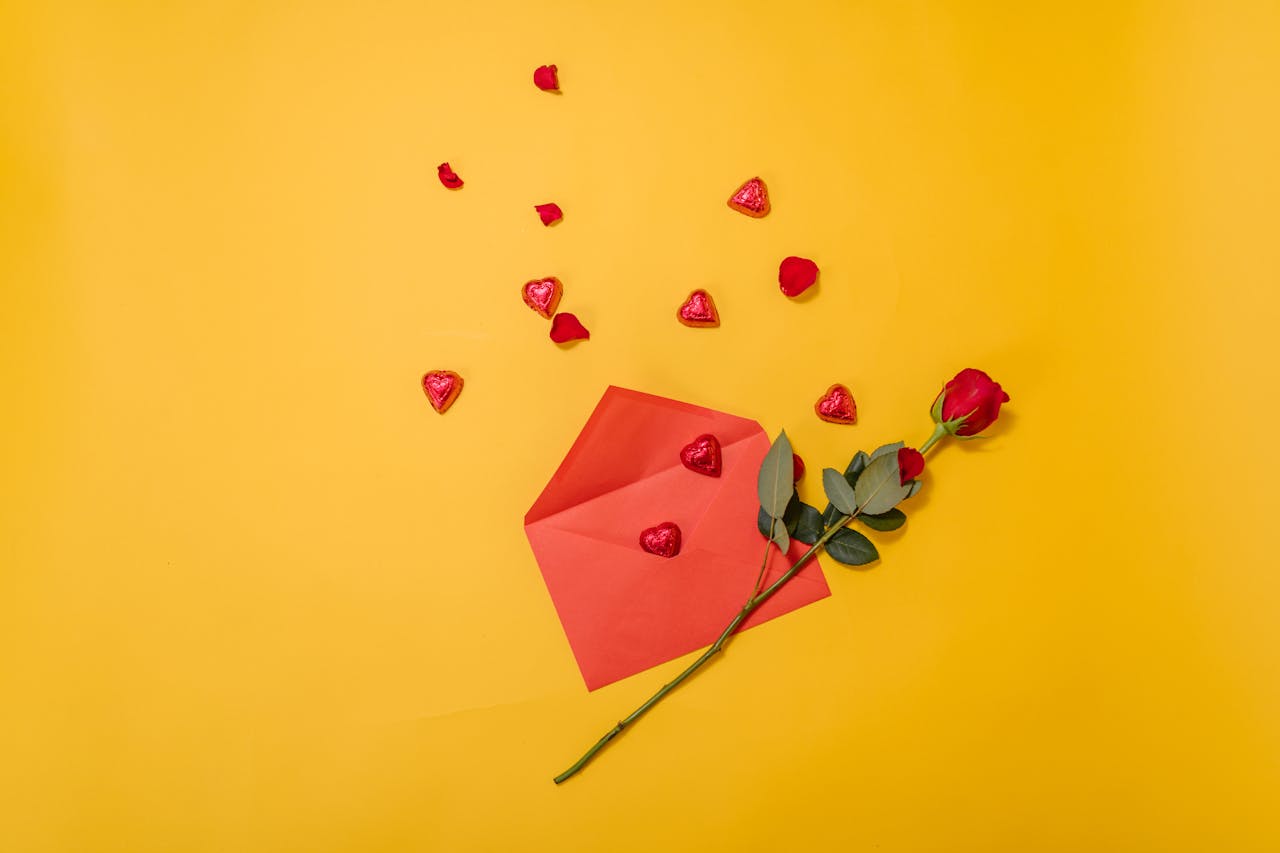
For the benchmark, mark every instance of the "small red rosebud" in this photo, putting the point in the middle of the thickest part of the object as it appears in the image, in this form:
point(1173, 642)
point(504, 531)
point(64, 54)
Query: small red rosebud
point(448, 177)
point(910, 464)
point(546, 78)
point(796, 275)
point(797, 467)
point(565, 327)
point(969, 403)
point(549, 213)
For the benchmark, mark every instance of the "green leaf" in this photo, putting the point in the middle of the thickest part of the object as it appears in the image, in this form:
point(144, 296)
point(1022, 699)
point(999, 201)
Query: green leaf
point(886, 449)
point(781, 539)
point(838, 490)
point(879, 488)
point(891, 520)
point(775, 484)
point(851, 548)
point(810, 527)
point(790, 518)
point(851, 473)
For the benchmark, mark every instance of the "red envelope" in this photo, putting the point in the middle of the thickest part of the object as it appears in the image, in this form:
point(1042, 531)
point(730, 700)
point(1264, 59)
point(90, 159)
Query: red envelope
point(625, 610)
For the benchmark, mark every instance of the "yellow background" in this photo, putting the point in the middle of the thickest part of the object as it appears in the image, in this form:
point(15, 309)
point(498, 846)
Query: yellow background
point(255, 595)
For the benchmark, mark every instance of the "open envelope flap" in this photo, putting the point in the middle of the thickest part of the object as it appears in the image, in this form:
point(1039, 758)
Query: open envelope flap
point(630, 437)
point(624, 610)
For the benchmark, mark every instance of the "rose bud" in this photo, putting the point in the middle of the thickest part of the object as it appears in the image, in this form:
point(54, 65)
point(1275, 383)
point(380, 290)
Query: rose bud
point(969, 403)
point(546, 78)
point(910, 464)
point(448, 177)
point(549, 213)
point(797, 467)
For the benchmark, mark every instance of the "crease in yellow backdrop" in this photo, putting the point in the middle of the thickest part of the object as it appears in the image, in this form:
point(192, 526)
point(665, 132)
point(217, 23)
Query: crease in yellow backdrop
point(255, 595)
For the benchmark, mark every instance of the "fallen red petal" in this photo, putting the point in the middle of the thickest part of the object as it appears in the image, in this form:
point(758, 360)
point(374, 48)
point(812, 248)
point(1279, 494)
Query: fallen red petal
point(543, 295)
point(837, 406)
point(549, 213)
point(796, 275)
point(546, 78)
point(910, 464)
point(702, 455)
point(442, 387)
point(663, 539)
point(752, 198)
point(448, 177)
point(699, 310)
point(565, 327)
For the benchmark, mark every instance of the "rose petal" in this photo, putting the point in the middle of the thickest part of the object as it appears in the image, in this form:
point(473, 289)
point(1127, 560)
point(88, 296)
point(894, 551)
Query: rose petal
point(565, 327)
point(546, 78)
point(442, 387)
point(448, 177)
point(549, 213)
point(910, 464)
point(752, 198)
point(796, 275)
point(543, 295)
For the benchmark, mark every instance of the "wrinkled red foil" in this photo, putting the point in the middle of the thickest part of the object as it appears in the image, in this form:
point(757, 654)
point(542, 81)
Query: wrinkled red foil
point(699, 310)
point(837, 406)
point(796, 275)
point(752, 198)
point(663, 539)
point(702, 455)
point(543, 295)
point(448, 177)
point(442, 387)
point(565, 327)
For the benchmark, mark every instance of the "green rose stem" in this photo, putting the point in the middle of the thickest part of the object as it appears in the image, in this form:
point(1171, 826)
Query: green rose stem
point(750, 607)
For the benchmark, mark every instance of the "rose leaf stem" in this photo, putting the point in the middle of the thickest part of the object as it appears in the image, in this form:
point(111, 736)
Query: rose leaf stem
point(750, 607)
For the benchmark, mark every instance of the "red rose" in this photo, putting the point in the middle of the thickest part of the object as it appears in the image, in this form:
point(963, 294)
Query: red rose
point(969, 403)
point(910, 464)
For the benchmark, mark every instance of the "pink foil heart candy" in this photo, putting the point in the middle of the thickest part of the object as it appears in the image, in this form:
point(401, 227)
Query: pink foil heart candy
point(448, 177)
point(442, 387)
point(565, 327)
point(546, 78)
point(752, 198)
point(699, 311)
point(796, 275)
point(702, 455)
point(543, 295)
point(549, 213)
point(837, 406)
point(663, 540)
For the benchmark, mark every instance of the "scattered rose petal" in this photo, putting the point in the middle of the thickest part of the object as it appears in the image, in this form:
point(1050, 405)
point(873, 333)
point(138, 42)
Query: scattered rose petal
point(546, 78)
point(448, 177)
point(796, 275)
point(699, 310)
point(549, 213)
point(565, 327)
point(442, 387)
point(797, 467)
point(752, 198)
point(543, 295)
point(837, 406)
point(910, 464)
point(702, 455)
point(663, 540)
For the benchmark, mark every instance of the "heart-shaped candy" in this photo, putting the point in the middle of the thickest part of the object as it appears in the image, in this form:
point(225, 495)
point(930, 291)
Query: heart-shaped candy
point(663, 540)
point(752, 198)
point(699, 310)
point(702, 455)
point(543, 295)
point(837, 406)
point(442, 388)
